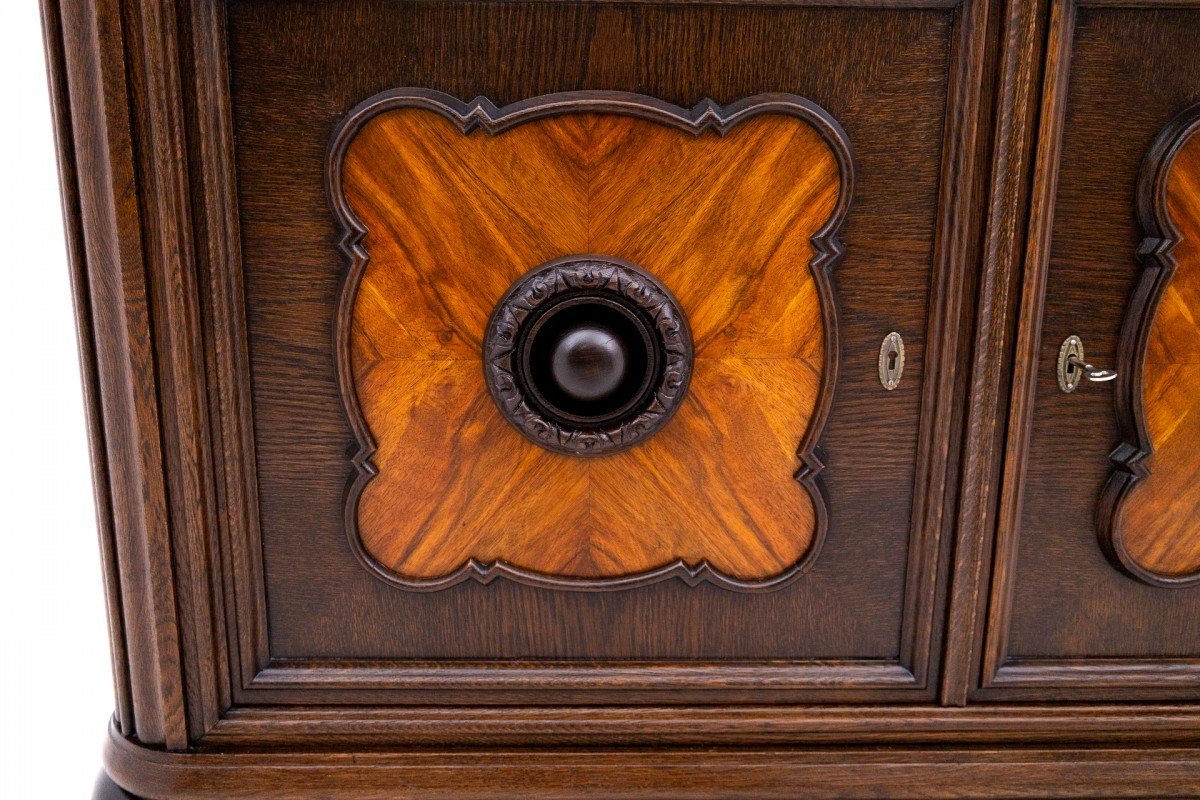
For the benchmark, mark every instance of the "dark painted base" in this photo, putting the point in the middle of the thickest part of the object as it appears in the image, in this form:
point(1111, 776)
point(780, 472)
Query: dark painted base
point(107, 790)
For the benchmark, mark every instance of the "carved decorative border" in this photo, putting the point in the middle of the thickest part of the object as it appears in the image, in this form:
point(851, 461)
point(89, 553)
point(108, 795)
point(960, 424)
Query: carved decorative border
point(569, 273)
point(482, 114)
point(1158, 264)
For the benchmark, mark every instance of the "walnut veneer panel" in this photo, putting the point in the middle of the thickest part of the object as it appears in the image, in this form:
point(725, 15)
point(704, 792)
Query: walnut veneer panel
point(1158, 526)
point(724, 221)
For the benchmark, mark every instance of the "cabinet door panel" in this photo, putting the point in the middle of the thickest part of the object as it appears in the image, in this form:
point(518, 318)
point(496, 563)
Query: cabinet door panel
point(1091, 596)
point(796, 203)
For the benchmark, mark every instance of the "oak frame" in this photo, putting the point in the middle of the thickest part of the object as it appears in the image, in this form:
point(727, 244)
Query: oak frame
point(229, 621)
point(994, 674)
point(191, 659)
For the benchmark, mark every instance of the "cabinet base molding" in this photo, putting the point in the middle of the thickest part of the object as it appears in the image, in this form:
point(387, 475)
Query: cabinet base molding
point(975, 772)
point(488, 727)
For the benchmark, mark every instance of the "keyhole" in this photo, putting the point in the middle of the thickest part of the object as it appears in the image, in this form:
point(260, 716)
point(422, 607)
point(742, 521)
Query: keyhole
point(891, 360)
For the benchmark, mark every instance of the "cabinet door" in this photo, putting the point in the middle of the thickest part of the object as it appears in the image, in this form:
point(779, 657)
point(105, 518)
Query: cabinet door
point(1096, 590)
point(567, 354)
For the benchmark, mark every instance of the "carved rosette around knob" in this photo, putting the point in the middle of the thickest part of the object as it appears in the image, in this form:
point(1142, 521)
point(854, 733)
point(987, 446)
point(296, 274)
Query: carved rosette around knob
point(587, 355)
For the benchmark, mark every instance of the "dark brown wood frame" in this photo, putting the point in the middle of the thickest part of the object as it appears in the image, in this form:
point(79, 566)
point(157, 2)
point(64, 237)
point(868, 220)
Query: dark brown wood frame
point(905, 679)
point(230, 566)
point(994, 675)
point(1158, 264)
point(258, 678)
point(983, 773)
point(154, 245)
point(482, 114)
point(234, 563)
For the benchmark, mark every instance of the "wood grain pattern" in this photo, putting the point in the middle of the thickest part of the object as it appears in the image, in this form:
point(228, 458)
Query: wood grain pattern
point(974, 773)
point(730, 711)
point(70, 186)
point(731, 224)
point(117, 243)
point(1020, 64)
point(904, 237)
point(1150, 513)
point(1061, 623)
point(276, 727)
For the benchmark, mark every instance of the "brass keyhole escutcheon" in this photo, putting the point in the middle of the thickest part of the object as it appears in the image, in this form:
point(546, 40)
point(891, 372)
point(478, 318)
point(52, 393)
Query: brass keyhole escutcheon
point(1073, 366)
point(891, 360)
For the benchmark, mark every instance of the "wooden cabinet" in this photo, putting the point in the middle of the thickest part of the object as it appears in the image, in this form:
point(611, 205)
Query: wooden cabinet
point(641, 399)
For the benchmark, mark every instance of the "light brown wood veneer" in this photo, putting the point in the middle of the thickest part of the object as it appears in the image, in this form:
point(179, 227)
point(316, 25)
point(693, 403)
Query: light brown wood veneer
point(725, 222)
point(1160, 520)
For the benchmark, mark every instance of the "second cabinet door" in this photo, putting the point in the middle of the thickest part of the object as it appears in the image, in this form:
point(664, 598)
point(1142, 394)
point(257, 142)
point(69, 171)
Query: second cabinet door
point(1097, 576)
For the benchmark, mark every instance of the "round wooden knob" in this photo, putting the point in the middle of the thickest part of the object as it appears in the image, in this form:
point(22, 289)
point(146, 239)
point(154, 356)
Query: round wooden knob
point(589, 361)
point(587, 355)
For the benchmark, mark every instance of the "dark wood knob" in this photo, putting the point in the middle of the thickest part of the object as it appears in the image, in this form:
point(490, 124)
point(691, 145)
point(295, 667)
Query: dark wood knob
point(589, 361)
point(587, 355)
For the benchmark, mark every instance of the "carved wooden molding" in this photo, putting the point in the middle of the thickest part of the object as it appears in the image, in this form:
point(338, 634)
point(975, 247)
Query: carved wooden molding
point(481, 114)
point(1158, 260)
point(686, 772)
point(666, 328)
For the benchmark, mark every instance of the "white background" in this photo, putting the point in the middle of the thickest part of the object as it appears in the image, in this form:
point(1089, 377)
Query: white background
point(55, 674)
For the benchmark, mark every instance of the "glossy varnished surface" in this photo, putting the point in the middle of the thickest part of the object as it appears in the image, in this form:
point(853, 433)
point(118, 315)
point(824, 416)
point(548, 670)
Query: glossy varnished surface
point(724, 222)
point(747, 773)
point(203, 714)
point(289, 97)
point(1064, 620)
point(1160, 520)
